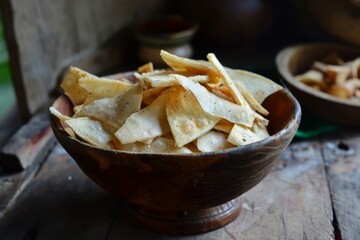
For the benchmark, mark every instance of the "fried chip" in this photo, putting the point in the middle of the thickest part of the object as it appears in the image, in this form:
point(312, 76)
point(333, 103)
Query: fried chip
point(240, 136)
point(258, 86)
point(186, 64)
point(98, 88)
point(58, 114)
point(148, 67)
point(164, 79)
point(149, 95)
point(148, 123)
point(213, 141)
point(72, 88)
point(186, 117)
point(217, 106)
point(114, 111)
point(91, 131)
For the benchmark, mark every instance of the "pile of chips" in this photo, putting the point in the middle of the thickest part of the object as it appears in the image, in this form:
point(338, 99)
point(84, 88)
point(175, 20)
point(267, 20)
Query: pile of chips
point(194, 106)
point(334, 76)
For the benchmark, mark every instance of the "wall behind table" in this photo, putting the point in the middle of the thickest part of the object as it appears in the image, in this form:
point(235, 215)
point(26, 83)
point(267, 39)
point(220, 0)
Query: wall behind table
point(43, 37)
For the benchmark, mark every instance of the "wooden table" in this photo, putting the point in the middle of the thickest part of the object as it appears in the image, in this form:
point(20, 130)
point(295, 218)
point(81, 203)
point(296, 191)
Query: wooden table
point(313, 193)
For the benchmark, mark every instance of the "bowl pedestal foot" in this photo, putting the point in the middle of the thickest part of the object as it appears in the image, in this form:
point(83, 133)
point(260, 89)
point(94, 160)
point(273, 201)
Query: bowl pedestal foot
point(184, 222)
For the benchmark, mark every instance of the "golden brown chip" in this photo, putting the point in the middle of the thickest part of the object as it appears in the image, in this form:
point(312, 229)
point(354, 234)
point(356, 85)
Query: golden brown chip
point(102, 87)
point(72, 88)
point(187, 65)
point(217, 106)
point(148, 67)
point(91, 131)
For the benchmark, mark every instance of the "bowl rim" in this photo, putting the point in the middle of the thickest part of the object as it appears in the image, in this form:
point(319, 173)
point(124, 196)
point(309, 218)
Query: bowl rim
point(291, 124)
point(282, 60)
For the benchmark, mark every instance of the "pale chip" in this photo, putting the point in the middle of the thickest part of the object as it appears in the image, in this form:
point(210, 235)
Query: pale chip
point(102, 87)
point(72, 88)
point(213, 141)
point(148, 123)
point(186, 64)
point(91, 131)
point(165, 79)
point(58, 114)
point(114, 111)
point(240, 136)
point(258, 86)
point(237, 95)
point(186, 117)
point(217, 106)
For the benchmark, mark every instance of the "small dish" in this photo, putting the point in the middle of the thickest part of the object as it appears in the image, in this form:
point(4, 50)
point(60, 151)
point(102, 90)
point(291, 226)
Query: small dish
point(294, 60)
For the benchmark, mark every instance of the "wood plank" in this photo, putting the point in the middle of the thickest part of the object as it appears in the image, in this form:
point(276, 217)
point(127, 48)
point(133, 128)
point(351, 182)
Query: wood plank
point(29, 145)
point(293, 202)
point(342, 158)
point(60, 203)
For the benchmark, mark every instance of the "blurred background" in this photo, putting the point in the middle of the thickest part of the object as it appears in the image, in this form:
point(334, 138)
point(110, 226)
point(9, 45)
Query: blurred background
point(245, 34)
point(7, 94)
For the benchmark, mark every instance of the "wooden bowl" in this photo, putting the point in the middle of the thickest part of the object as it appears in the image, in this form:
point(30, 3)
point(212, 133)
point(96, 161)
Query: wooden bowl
point(185, 193)
point(294, 60)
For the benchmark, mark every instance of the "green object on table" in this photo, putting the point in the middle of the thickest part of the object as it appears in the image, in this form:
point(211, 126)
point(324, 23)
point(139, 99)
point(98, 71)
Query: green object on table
point(312, 126)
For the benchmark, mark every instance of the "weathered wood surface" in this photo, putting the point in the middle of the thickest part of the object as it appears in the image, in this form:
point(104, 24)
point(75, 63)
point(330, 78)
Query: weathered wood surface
point(293, 202)
point(29, 145)
point(43, 36)
point(342, 160)
point(59, 203)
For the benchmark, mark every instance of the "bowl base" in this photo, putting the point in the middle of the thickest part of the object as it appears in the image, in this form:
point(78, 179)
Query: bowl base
point(184, 222)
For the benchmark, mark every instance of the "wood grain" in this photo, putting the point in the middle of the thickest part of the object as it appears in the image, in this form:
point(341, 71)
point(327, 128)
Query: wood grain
point(59, 203)
point(341, 155)
point(293, 202)
point(42, 36)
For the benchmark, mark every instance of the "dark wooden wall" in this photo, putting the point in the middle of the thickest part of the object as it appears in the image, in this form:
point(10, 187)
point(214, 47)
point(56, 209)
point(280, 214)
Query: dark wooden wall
point(44, 37)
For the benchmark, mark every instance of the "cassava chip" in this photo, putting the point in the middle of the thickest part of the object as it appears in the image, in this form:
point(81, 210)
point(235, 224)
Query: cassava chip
point(213, 141)
point(240, 136)
point(237, 95)
point(217, 106)
point(186, 117)
point(186, 64)
point(149, 95)
point(90, 131)
point(148, 67)
point(164, 79)
point(258, 86)
point(102, 87)
point(58, 114)
point(148, 123)
point(72, 88)
point(114, 111)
